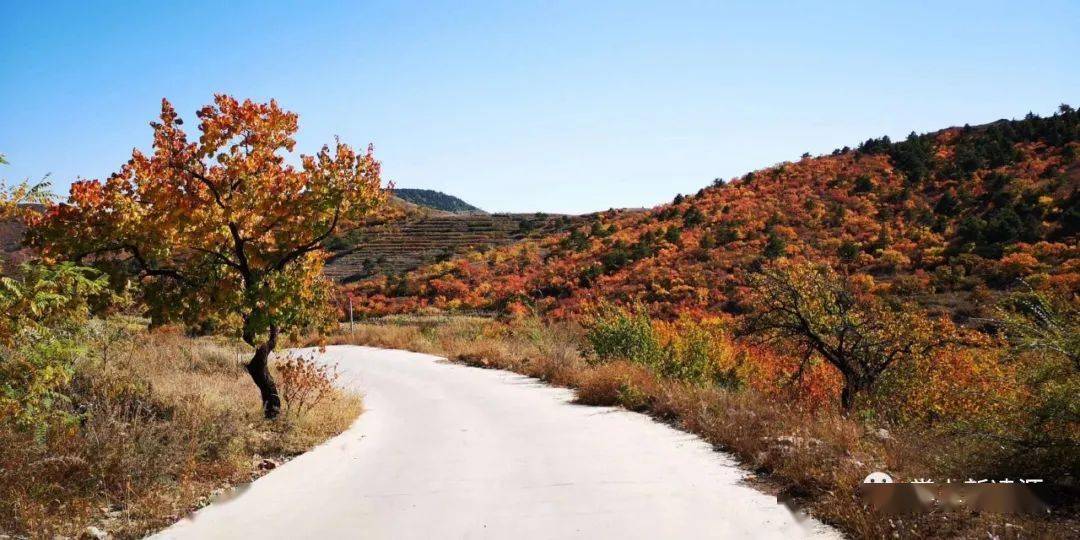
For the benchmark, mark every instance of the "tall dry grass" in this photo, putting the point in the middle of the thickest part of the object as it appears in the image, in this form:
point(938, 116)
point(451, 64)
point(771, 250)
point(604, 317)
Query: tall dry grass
point(163, 421)
point(813, 458)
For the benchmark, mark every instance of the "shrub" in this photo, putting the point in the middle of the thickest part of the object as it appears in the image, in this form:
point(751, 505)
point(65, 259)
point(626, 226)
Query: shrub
point(43, 307)
point(305, 383)
point(33, 377)
point(1017, 266)
point(616, 383)
point(848, 251)
point(1044, 330)
point(700, 352)
point(685, 349)
point(616, 333)
point(693, 217)
point(775, 245)
point(165, 421)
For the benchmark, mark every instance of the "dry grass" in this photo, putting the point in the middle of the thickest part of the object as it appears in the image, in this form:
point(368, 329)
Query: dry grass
point(810, 458)
point(166, 421)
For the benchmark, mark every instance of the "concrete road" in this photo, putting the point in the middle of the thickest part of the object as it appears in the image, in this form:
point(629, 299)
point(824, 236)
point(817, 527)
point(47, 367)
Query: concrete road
point(448, 451)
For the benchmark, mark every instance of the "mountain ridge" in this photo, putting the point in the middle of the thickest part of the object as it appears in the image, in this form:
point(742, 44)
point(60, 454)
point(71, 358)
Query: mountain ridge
point(436, 199)
point(942, 216)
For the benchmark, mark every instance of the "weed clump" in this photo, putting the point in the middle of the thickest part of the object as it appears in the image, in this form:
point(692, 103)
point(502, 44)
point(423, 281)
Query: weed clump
point(146, 425)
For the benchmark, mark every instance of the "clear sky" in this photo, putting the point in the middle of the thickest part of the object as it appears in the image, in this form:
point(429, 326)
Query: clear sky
point(530, 106)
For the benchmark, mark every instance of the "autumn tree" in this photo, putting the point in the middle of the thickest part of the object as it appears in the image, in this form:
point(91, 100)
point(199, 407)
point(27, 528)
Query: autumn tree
point(221, 227)
point(830, 316)
point(1044, 329)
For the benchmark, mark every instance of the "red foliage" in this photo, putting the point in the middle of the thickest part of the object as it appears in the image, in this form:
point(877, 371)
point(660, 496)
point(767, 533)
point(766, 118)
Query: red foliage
point(853, 210)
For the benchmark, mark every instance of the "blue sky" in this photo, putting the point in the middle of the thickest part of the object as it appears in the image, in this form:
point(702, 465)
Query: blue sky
point(523, 106)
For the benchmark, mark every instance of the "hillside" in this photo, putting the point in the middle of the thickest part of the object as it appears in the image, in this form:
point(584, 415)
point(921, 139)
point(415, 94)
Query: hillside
point(424, 227)
point(413, 235)
point(437, 200)
point(943, 217)
point(420, 237)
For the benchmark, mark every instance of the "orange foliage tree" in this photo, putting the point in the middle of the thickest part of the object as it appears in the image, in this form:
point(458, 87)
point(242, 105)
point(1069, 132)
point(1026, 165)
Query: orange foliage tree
point(826, 315)
point(221, 228)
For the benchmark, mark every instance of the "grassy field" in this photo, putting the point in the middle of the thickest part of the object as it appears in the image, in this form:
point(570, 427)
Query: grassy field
point(164, 422)
point(811, 458)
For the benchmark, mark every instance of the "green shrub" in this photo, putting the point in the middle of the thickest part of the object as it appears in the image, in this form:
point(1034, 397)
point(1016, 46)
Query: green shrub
point(33, 377)
point(683, 350)
point(694, 354)
point(1044, 330)
point(616, 333)
point(43, 311)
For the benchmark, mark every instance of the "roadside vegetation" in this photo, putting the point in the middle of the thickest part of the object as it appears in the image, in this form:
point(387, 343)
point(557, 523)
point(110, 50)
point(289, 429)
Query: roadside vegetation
point(108, 427)
point(907, 306)
point(966, 406)
point(114, 427)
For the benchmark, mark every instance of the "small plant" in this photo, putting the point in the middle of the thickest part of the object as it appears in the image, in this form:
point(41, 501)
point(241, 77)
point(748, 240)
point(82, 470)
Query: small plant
point(686, 349)
point(42, 310)
point(616, 333)
point(305, 383)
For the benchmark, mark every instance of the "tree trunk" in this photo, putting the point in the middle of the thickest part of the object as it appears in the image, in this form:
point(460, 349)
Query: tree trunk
point(854, 384)
point(259, 369)
point(847, 397)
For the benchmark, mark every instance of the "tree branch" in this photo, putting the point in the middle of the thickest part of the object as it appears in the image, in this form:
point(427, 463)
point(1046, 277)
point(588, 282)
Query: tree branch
point(151, 271)
point(217, 255)
point(241, 255)
point(309, 246)
point(206, 181)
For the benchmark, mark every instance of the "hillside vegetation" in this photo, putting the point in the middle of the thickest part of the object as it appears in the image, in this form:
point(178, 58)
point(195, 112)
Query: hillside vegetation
point(940, 216)
point(416, 237)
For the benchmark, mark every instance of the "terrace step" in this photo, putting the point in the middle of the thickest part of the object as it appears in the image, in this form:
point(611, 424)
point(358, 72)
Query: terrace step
point(398, 247)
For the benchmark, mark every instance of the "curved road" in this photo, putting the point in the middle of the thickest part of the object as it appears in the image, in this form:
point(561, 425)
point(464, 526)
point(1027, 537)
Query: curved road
point(449, 451)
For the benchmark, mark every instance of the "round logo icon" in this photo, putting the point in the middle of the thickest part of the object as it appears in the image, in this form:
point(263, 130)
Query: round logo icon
point(877, 477)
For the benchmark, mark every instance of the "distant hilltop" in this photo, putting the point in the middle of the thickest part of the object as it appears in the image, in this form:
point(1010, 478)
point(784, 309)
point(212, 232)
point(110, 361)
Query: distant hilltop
point(437, 200)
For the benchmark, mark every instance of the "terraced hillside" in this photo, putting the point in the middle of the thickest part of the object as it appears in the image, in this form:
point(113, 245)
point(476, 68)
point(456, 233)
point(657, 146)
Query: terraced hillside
point(414, 236)
point(398, 246)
